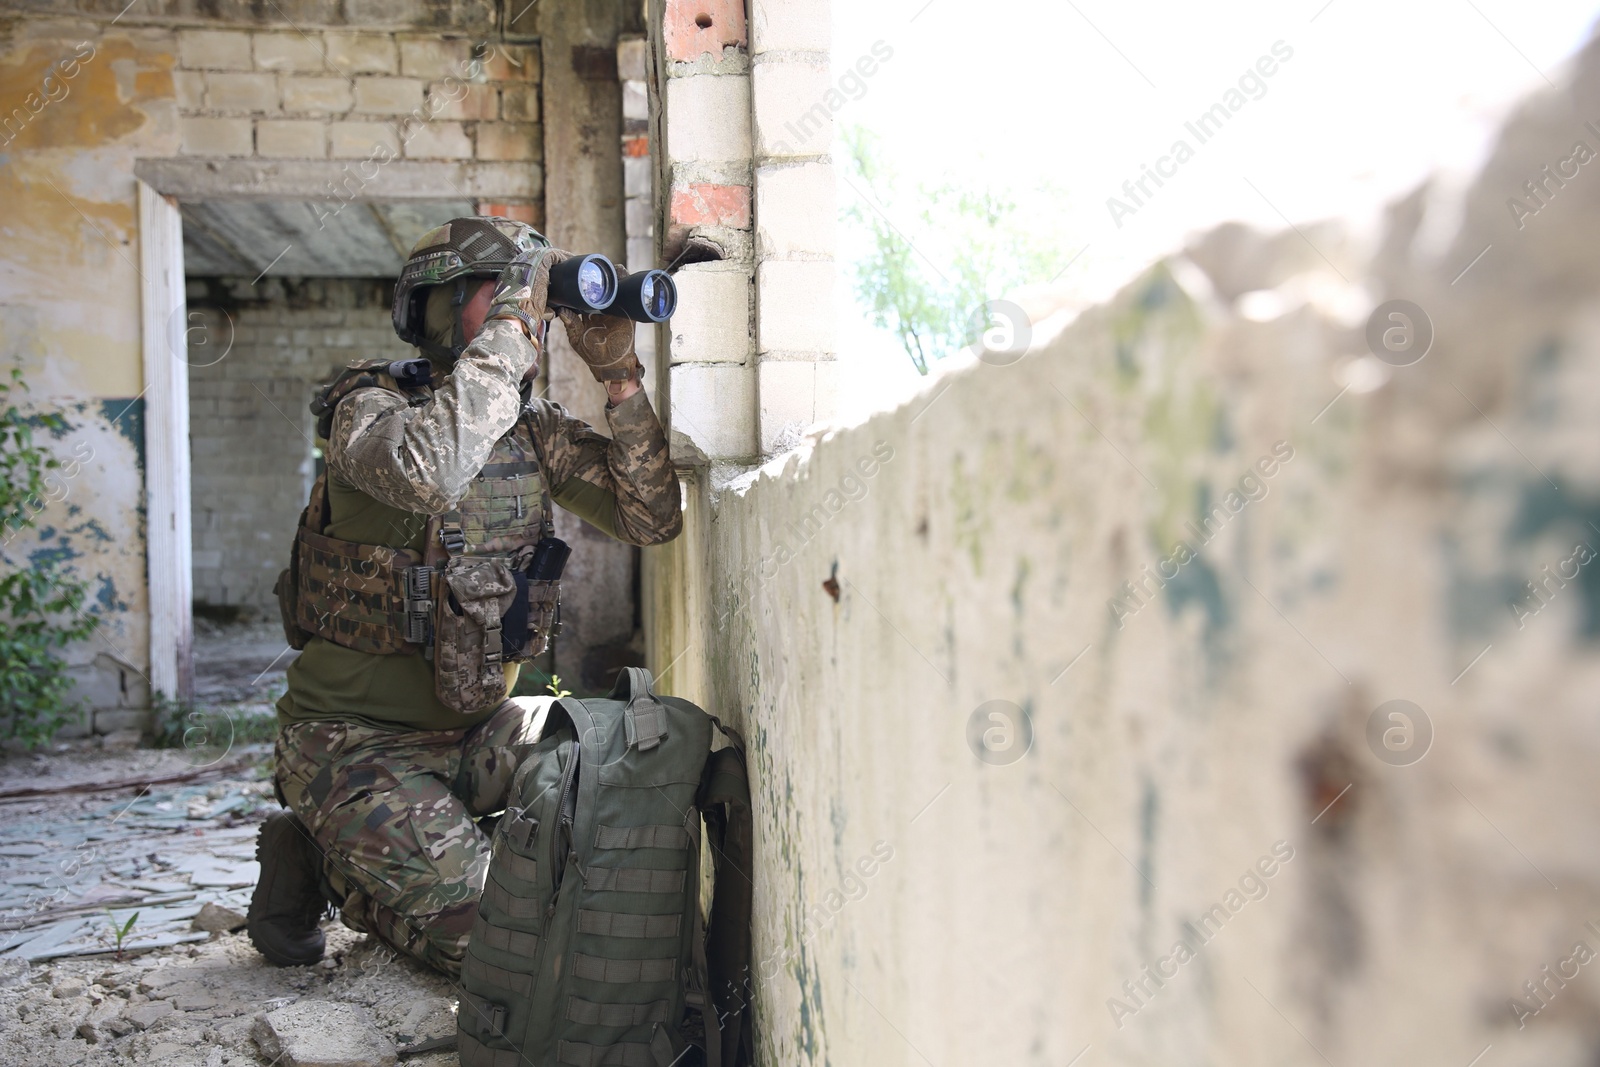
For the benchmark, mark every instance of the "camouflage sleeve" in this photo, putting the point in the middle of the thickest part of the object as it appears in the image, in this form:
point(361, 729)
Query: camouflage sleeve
point(624, 485)
point(420, 459)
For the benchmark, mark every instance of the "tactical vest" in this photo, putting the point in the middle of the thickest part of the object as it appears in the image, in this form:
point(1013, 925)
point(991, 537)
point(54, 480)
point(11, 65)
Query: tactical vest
point(485, 591)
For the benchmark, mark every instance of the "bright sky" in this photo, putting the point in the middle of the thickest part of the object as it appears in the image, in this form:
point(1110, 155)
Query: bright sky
point(1014, 94)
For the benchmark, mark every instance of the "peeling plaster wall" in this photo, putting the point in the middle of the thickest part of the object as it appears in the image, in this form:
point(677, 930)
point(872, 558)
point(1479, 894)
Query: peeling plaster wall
point(69, 310)
point(855, 608)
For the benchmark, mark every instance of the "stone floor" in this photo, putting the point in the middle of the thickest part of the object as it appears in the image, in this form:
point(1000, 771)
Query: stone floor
point(239, 663)
point(187, 989)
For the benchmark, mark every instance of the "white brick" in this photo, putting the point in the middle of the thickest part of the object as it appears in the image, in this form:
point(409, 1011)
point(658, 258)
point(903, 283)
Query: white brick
point(794, 394)
point(794, 106)
point(434, 58)
point(289, 51)
point(242, 92)
point(638, 215)
point(635, 105)
point(437, 140)
point(708, 118)
point(328, 96)
point(790, 26)
point(641, 253)
point(215, 137)
point(214, 49)
point(712, 323)
point(362, 53)
point(462, 100)
point(291, 139)
point(510, 140)
point(388, 96)
point(359, 140)
point(190, 87)
point(519, 103)
point(636, 176)
point(795, 210)
point(631, 55)
point(714, 406)
point(794, 306)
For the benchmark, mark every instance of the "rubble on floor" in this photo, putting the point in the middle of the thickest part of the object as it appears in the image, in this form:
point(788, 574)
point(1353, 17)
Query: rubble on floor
point(187, 989)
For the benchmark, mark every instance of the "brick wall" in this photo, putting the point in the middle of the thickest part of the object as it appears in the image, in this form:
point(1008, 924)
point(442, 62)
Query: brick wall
point(368, 97)
point(752, 350)
point(256, 355)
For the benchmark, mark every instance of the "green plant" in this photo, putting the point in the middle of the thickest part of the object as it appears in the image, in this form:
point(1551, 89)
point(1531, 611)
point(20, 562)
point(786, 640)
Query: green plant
point(41, 604)
point(121, 932)
point(983, 242)
point(554, 686)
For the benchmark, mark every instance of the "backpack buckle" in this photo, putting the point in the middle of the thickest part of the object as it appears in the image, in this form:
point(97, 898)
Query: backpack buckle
point(646, 723)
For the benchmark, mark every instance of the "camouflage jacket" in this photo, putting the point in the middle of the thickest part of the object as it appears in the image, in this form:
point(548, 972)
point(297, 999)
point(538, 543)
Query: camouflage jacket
point(391, 464)
point(420, 459)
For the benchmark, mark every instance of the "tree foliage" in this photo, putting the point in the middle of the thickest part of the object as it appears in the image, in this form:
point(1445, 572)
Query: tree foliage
point(936, 252)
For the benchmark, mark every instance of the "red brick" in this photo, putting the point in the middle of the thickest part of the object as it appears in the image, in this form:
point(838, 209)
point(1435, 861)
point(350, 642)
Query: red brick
point(694, 27)
point(636, 147)
point(528, 213)
point(715, 205)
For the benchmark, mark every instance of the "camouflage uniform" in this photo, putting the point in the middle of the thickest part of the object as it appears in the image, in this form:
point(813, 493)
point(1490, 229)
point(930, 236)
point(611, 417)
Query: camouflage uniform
point(389, 782)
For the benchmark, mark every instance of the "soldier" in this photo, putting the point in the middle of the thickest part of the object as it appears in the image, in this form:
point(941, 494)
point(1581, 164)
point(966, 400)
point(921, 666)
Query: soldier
point(397, 734)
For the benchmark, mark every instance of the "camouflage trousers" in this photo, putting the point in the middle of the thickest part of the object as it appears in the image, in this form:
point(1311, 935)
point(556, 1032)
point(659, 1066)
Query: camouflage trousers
point(396, 813)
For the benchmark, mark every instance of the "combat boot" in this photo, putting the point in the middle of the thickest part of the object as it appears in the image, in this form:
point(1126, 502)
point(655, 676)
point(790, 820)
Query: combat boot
point(288, 903)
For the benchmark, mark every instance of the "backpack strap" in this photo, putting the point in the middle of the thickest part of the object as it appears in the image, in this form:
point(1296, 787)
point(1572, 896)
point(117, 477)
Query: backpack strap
point(645, 717)
point(725, 804)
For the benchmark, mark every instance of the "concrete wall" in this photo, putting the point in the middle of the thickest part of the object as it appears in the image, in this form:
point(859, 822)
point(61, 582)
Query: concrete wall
point(257, 354)
point(1081, 664)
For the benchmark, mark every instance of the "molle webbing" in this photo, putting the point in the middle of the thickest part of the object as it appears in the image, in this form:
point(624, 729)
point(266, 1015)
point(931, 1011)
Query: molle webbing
point(354, 594)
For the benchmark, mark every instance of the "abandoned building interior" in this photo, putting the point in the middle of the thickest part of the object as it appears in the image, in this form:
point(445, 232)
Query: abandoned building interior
point(1065, 688)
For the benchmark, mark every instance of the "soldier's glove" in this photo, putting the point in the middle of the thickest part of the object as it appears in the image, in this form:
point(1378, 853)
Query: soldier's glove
point(524, 286)
point(604, 342)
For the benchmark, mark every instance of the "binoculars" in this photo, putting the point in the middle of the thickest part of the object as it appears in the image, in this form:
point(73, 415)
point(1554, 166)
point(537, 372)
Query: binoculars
point(590, 283)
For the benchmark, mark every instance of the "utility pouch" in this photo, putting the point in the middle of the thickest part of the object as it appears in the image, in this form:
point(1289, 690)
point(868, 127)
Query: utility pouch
point(542, 593)
point(285, 589)
point(549, 559)
point(468, 650)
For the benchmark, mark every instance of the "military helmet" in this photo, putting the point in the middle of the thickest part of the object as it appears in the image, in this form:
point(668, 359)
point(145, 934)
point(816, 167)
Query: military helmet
point(472, 247)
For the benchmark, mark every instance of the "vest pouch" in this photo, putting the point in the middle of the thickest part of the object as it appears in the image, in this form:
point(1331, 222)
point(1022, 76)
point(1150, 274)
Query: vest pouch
point(285, 589)
point(468, 656)
point(544, 604)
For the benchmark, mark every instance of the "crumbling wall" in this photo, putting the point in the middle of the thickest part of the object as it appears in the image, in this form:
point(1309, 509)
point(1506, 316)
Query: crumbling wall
point(1071, 686)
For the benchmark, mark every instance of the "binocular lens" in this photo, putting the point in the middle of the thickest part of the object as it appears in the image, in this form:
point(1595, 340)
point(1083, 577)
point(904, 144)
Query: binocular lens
point(649, 296)
point(583, 283)
point(589, 283)
point(592, 283)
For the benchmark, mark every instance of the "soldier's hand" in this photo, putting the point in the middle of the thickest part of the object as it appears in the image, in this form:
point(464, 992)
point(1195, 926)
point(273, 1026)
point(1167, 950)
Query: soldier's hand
point(604, 342)
point(523, 288)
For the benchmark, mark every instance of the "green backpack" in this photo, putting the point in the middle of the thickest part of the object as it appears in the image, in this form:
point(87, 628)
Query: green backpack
point(589, 948)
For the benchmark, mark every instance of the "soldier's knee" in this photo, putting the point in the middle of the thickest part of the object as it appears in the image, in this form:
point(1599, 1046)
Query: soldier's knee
point(438, 939)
